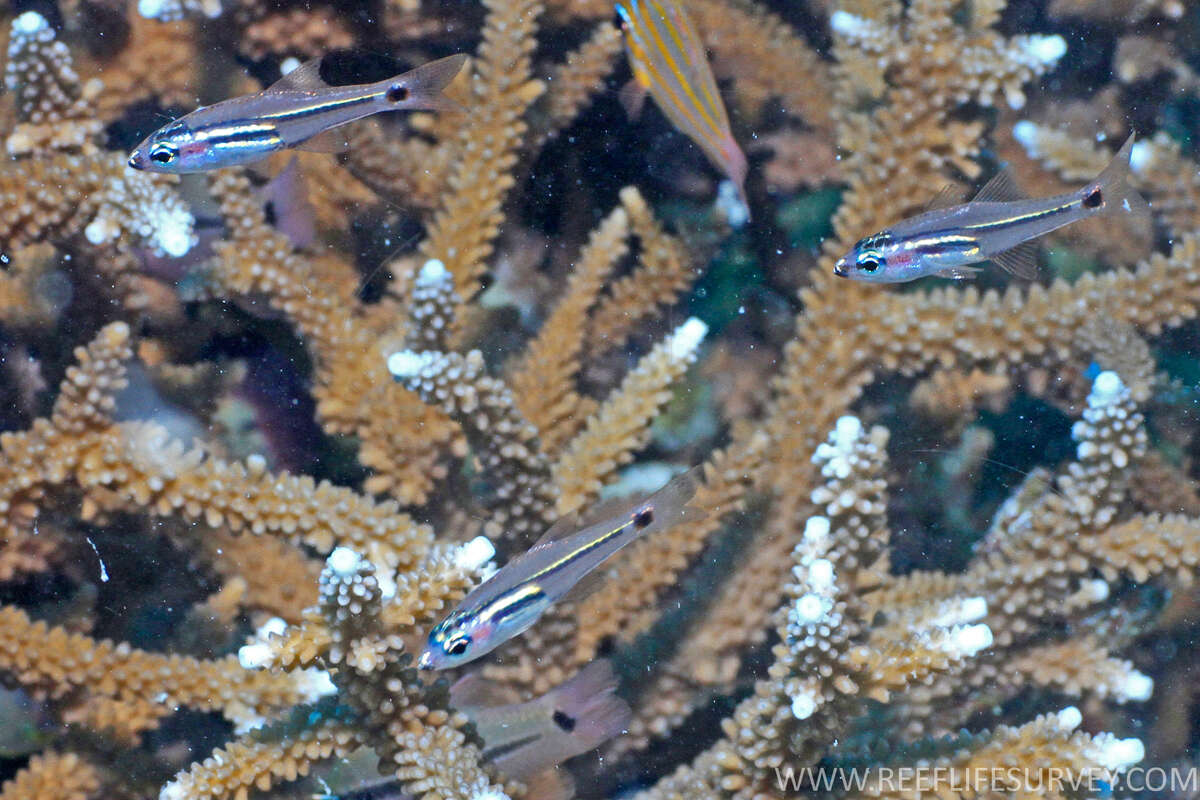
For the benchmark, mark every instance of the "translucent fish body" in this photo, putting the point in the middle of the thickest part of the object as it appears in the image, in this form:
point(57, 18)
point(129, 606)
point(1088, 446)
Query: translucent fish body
point(997, 225)
point(293, 112)
point(668, 61)
point(513, 599)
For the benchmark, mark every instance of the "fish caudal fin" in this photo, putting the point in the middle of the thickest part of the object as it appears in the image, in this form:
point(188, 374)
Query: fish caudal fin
point(1111, 192)
point(421, 88)
point(586, 712)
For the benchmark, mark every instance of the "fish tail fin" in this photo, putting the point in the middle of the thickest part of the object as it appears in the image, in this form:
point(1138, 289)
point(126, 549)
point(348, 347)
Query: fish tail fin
point(586, 712)
point(587, 699)
point(421, 88)
point(1110, 192)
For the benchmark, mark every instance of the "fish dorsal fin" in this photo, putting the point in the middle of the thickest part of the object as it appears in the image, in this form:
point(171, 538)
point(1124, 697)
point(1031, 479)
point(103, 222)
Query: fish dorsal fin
point(1020, 261)
point(304, 78)
point(1000, 189)
point(948, 195)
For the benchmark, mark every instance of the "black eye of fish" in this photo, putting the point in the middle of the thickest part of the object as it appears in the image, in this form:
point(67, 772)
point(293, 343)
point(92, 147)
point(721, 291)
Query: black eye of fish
point(397, 93)
point(163, 155)
point(643, 517)
point(457, 647)
point(869, 264)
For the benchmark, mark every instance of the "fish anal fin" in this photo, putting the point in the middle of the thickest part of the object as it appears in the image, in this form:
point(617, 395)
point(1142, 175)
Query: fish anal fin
point(948, 195)
point(958, 273)
point(474, 691)
point(1020, 261)
point(334, 140)
point(1000, 189)
point(586, 586)
point(304, 78)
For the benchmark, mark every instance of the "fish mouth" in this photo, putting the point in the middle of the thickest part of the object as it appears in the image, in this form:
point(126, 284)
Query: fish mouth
point(136, 162)
point(839, 268)
point(425, 661)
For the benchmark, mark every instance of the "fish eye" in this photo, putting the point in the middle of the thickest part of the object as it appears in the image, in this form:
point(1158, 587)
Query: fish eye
point(868, 263)
point(458, 646)
point(163, 153)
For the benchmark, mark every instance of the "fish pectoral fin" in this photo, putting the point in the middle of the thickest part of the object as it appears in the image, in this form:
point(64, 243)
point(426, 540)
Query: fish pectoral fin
point(304, 78)
point(1000, 189)
point(959, 273)
point(1020, 261)
point(633, 99)
point(948, 195)
point(474, 691)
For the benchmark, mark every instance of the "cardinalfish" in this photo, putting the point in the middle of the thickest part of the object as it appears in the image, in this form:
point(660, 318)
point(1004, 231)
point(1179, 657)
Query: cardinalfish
point(299, 110)
point(997, 225)
point(522, 740)
point(559, 564)
point(668, 62)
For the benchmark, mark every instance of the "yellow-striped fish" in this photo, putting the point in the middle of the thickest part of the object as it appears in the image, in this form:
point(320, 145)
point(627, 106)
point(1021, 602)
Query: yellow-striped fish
point(668, 62)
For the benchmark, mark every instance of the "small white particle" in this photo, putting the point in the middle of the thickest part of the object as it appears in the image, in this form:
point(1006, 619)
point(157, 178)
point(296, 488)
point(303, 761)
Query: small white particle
point(103, 571)
point(289, 64)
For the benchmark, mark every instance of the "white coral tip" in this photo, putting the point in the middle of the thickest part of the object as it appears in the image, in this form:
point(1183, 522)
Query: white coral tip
point(973, 608)
point(1026, 133)
point(1046, 49)
point(1105, 389)
point(152, 9)
point(803, 706)
point(847, 431)
point(475, 553)
point(970, 639)
point(343, 561)
point(1117, 754)
point(30, 22)
point(405, 363)
point(432, 271)
point(687, 338)
point(1140, 156)
point(816, 529)
point(254, 656)
point(1069, 718)
point(848, 24)
point(1137, 687)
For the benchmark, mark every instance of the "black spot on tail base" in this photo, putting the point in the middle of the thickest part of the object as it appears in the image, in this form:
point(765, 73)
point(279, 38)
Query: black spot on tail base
point(643, 517)
point(1094, 198)
point(564, 721)
point(397, 93)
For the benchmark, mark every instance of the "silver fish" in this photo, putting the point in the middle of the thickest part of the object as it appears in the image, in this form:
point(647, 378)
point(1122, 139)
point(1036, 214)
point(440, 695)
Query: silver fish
point(997, 225)
point(293, 112)
point(518, 594)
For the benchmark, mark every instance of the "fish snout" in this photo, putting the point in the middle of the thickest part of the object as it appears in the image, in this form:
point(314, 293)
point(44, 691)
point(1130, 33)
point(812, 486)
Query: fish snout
point(425, 661)
point(137, 160)
point(839, 268)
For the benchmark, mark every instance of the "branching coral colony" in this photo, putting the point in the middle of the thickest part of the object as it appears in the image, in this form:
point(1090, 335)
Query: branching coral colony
point(157, 484)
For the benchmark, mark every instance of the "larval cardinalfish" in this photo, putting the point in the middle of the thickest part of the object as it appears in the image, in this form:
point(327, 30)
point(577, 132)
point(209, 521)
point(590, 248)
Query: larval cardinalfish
point(997, 224)
point(668, 61)
point(295, 111)
point(515, 597)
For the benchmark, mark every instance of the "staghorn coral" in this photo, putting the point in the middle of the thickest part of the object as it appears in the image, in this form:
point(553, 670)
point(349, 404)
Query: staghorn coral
point(779, 609)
